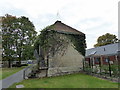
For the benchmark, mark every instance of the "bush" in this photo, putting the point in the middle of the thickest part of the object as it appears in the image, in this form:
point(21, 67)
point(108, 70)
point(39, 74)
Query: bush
point(115, 70)
point(88, 69)
point(105, 69)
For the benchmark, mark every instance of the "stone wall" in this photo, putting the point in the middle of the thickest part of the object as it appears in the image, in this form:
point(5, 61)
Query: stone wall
point(70, 62)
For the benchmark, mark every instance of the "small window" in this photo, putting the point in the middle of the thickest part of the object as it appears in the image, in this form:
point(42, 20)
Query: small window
point(97, 60)
point(106, 60)
point(104, 49)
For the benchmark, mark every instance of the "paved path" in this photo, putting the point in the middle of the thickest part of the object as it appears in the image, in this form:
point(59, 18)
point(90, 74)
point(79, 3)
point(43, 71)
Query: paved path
point(17, 77)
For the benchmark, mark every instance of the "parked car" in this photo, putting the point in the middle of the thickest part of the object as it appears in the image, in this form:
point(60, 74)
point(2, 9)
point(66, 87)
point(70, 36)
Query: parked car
point(16, 63)
point(24, 63)
point(30, 62)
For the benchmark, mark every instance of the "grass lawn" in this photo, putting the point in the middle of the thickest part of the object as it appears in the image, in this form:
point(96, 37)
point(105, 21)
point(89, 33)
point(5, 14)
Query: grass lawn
point(5, 72)
point(68, 81)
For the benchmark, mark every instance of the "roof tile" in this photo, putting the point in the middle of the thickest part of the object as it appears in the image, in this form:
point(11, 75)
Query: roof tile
point(61, 27)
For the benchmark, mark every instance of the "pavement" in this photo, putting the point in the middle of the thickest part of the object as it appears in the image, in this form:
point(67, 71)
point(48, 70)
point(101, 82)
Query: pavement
point(17, 77)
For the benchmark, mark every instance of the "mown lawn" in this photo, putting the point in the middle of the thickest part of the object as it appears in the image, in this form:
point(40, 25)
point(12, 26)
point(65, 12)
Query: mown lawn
point(5, 72)
point(68, 81)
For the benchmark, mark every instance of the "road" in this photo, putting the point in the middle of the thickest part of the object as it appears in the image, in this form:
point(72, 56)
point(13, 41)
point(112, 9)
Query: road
point(17, 77)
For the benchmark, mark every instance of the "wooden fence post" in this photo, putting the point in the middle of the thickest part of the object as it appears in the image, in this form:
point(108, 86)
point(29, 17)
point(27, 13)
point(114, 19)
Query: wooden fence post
point(100, 64)
point(83, 64)
point(109, 66)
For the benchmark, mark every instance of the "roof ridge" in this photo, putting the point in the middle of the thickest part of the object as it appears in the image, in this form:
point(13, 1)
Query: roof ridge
point(73, 29)
point(104, 45)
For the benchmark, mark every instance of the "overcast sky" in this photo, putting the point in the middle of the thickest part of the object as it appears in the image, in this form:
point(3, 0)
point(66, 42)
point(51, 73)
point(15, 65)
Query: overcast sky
point(92, 17)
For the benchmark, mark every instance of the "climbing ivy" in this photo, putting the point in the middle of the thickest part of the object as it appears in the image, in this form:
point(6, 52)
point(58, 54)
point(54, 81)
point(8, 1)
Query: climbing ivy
point(51, 41)
point(78, 42)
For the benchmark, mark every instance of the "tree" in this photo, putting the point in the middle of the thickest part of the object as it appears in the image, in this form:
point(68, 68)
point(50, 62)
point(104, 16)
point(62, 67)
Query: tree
point(28, 53)
point(7, 37)
point(26, 37)
point(17, 34)
point(106, 39)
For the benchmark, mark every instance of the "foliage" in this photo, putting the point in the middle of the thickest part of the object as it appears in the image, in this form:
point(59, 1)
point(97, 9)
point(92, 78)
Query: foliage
point(7, 37)
point(17, 34)
point(41, 39)
point(49, 41)
point(105, 69)
point(79, 42)
point(115, 70)
point(106, 39)
point(88, 69)
point(28, 52)
point(54, 42)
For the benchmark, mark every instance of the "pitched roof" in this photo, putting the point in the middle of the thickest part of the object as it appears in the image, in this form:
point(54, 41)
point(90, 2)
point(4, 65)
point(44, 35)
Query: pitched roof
point(104, 50)
point(63, 28)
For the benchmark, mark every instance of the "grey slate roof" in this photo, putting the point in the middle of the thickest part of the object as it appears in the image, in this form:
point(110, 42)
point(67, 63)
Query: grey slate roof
point(104, 50)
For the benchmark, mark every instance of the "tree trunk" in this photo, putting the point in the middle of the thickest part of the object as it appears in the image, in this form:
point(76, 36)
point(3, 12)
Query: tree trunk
point(19, 64)
point(19, 61)
point(9, 63)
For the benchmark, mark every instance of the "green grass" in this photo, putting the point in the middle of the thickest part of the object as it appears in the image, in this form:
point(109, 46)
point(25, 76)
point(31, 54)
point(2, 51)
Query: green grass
point(5, 72)
point(68, 81)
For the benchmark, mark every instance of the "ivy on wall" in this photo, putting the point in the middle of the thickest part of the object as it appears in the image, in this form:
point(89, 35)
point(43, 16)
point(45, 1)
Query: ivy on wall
point(54, 42)
point(78, 42)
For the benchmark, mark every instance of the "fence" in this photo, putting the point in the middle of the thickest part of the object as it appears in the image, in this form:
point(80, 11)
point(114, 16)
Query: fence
point(29, 70)
point(104, 66)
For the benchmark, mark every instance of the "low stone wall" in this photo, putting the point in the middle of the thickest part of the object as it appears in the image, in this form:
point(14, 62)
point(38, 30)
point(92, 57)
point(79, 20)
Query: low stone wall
point(63, 70)
point(41, 74)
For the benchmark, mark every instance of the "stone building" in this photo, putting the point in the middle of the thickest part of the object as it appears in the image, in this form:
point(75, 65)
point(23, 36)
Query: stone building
point(69, 59)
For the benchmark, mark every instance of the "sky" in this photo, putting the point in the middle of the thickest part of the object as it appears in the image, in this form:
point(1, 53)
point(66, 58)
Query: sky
point(92, 17)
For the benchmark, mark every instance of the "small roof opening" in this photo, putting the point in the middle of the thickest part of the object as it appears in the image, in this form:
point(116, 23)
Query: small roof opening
point(92, 53)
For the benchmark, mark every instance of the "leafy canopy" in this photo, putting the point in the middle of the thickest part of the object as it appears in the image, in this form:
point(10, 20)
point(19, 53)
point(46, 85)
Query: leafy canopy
point(106, 39)
point(18, 36)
